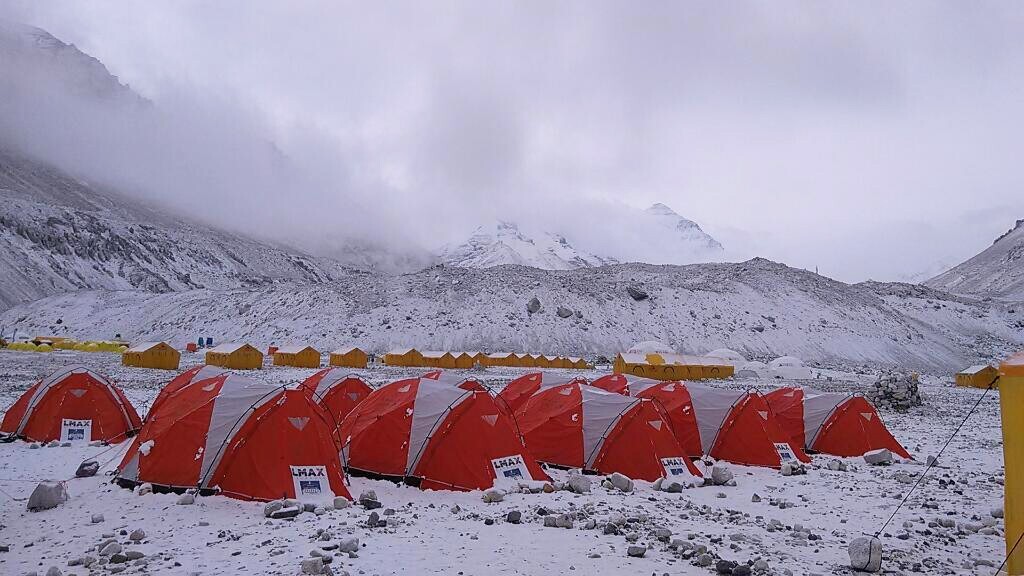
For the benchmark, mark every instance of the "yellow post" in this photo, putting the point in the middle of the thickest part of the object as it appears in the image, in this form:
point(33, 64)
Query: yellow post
point(1011, 404)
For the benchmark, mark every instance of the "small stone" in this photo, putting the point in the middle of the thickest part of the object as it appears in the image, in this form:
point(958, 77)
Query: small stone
point(133, 554)
point(287, 512)
point(348, 545)
point(187, 499)
point(564, 521)
point(997, 512)
point(741, 570)
point(866, 554)
point(550, 522)
point(87, 469)
point(144, 489)
point(97, 518)
point(880, 457)
point(755, 498)
point(118, 558)
point(373, 520)
point(137, 535)
point(724, 566)
point(579, 483)
point(621, 482)
point(493, 496)
point(273, 506)
point(110, 548)
point(704, 560)
point(314, 565)
point(636, 551)
point(720, 475)
point(47, 495)
point(53, 571)
point(514, 517)
point(340, 502)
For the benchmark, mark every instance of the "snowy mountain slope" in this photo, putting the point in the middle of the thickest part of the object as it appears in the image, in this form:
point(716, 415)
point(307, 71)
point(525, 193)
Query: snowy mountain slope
point(758, 307)
point(998, 271)
point(505, 243)
point(28, 50)
point(60, 235)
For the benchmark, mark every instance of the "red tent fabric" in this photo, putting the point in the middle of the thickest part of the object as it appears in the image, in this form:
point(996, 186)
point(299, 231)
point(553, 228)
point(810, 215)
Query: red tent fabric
point(518, 391)
point(624, 383)
point(580, 426)
point(184, 379)
point(738, 426)
point(838, 424)
point(242, 438)
point(73, 403)
point(336, 390)
point(674, 398)
point(436, 435)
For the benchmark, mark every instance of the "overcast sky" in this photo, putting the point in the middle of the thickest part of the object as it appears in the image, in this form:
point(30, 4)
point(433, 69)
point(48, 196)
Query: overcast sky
point(868, 139)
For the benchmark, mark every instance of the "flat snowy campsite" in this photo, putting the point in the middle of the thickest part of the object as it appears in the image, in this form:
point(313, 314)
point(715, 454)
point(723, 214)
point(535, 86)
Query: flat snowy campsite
point(946, 527)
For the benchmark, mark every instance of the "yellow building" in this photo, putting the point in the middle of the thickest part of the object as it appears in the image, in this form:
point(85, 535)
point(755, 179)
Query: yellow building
point(235, 356)
point(159, 355)
point(671, 366)
point(438, 359)
point(404, 357)
point(297, 356)
point(465, 360)
point(980, 376)
point(500, 359)
point(349, 358)
point(577, 363)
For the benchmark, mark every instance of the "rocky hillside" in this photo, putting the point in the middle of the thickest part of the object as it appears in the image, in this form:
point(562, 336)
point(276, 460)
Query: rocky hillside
point(61, 235)
point(757, 307)
point(996, 272)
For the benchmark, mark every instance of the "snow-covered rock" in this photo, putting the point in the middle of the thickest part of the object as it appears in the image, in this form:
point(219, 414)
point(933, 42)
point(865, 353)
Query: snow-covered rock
point(997, 271)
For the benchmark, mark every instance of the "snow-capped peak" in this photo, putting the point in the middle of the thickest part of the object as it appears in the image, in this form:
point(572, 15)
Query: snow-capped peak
point(505, 243)
point(689, 231)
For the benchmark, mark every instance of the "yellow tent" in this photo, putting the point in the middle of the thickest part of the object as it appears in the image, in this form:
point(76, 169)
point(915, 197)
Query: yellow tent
point(527, 360)
point(152, 355)
point(979, 376)
point(235, 356)
point(349, 358)
point(404, 357)
point(297, 356)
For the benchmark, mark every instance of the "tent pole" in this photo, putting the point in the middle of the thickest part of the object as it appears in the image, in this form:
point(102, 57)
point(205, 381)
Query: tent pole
point(1011, 401)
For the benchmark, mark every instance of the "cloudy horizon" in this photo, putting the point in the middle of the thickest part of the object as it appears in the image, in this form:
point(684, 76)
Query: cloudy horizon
point(867, 141)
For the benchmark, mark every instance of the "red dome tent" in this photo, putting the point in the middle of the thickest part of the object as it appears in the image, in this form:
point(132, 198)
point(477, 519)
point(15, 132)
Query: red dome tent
point(738, 426)
point(518, 391)
point(626, 384)
point(435, 435)
point(580, 426)
point(838, 424)
point(73, 403)
point(242, 438)
point(336, 390)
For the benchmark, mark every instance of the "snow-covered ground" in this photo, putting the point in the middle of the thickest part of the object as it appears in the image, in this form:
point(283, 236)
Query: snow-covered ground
point(426, 535)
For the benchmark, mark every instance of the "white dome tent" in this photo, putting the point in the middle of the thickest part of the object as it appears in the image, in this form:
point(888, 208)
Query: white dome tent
point(731, 357)
point(789, 368)
point(752, 369)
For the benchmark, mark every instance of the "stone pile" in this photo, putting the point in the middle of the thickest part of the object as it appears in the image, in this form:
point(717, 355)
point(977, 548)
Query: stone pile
point(895, 391)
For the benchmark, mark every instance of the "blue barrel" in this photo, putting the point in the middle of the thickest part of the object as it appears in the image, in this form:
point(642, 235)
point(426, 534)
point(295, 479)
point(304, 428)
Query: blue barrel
point(209, 342)
point(199, 342)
